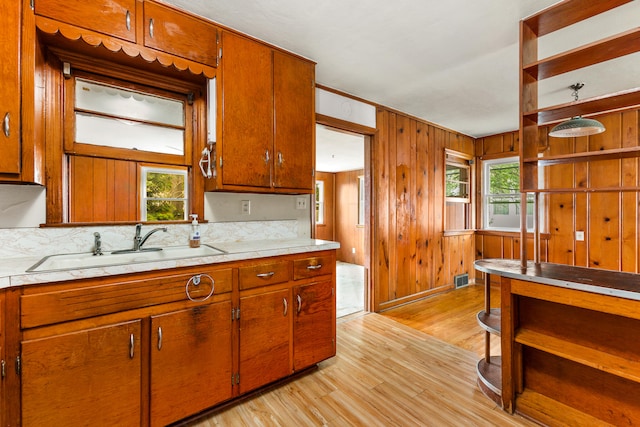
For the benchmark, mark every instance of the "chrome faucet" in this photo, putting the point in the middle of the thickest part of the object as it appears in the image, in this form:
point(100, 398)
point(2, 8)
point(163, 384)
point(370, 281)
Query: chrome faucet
point(139, 241)
point(97, 244)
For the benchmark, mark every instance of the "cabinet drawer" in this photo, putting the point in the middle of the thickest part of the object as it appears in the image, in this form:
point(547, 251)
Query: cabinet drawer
point(111, 17)
point(99, 298)
point(264, 274)
point(313, 266)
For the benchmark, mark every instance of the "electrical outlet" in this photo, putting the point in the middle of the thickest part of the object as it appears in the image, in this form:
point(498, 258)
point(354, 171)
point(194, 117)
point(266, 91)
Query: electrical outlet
point(301, 203)
point(353, 250)
point(245, 207)
point(579, 236)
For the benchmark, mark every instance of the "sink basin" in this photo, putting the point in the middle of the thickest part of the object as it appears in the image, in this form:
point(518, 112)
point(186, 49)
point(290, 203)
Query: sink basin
point(87, 259)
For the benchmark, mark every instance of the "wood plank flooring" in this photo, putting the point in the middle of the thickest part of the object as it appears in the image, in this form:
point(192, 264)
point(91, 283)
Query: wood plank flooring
point(385, 374)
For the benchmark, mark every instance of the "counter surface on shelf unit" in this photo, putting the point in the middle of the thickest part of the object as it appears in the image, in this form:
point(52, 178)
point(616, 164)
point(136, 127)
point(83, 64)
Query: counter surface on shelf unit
point(604, 282)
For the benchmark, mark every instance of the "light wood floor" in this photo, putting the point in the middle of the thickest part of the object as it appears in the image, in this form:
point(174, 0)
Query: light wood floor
point(385, 374)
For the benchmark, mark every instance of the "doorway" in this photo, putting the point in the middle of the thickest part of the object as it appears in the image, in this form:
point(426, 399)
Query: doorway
point(342, 207)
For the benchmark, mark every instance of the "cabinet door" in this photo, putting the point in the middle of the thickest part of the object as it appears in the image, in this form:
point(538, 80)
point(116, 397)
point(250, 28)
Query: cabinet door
point(84, 377)
point(264, 338)
point(177, 33)
point(247, 112)
point(112, 17)
point(190, 361)
point(10, 90)
point(293, 82)
point(314, 325)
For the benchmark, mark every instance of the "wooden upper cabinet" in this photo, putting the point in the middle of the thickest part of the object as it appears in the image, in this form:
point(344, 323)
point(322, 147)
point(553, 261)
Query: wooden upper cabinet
point(247, 112)
point(10, 91)
point(268, 116)
point(294, 88)
point(180, 34)
point(112, 17)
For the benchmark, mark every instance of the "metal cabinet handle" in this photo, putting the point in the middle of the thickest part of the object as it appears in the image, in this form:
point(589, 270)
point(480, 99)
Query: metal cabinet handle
point(299, 298)
point(280, 158)
point(159, 337)
point(266, 156)
point(196, 281)
point(128, 20)
point(151, 27)
point(286, 306)
point(314, 267)
point(131, 346)
point(265, 275)
point(6, 125)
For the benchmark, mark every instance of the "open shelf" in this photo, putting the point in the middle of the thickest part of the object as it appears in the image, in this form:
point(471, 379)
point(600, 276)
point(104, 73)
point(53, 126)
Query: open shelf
point(613, 364)
point(599, 104)
point(622, 44)
point(616, 153)
point(490, 322)
point(490, 377)
point(543, 408)
point(563, 14)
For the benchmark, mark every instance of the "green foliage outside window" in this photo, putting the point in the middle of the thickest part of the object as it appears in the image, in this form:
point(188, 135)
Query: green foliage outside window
point(165, 195)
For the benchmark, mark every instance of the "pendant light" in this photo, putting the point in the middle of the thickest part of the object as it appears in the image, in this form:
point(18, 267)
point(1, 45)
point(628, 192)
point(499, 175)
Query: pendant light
point(577, 126)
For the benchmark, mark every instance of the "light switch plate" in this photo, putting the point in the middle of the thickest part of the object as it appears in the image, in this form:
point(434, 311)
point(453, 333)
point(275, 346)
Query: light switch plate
point(301, 203)
point(579, 236)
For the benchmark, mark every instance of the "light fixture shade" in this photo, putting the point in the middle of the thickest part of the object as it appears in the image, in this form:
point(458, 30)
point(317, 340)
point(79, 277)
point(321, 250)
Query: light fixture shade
point(577, 126)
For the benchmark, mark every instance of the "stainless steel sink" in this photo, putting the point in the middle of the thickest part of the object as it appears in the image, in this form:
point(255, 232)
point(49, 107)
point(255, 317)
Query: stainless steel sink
point(88, 259)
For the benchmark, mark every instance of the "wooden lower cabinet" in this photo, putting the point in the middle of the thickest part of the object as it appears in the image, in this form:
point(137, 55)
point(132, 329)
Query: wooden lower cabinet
point(264, 338)
point(91, 376)
point(190, 361)
point(314, 324)
point(137, 350)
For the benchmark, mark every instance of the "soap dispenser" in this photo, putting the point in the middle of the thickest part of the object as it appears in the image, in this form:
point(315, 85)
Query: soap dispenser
point(194, 235)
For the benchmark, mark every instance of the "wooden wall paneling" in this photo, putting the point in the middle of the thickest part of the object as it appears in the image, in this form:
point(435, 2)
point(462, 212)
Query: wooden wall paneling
point(381, 215)
point(437, 202)
point(581, 204)
point(414, 286)
point(125, 184)
point(348, 232)
point(326, 231)
point(422, 211)
point(630, 200)
point(559, 217)
point(402, 193)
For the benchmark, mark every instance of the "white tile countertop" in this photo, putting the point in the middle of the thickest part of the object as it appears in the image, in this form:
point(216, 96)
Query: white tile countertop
point(13, 271)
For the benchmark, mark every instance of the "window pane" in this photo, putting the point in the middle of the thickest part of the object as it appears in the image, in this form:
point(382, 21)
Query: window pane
point(128, 104)
point(457, 181)
point(165, 210)
point(319, 202)
point(118, 133)
point(164, 194)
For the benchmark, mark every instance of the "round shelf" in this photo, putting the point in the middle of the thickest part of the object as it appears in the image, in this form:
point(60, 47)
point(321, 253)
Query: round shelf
point(490, 322)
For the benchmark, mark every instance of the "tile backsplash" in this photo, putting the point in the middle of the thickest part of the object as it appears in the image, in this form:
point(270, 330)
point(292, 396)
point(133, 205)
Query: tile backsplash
point(21, 242)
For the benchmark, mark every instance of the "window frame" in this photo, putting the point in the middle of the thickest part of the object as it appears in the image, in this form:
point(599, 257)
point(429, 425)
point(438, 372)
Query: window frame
point(142, 189)
point(485, 194)
point(462, 160)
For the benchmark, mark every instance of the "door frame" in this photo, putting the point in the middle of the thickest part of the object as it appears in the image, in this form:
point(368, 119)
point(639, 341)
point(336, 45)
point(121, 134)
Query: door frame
point(369, 135)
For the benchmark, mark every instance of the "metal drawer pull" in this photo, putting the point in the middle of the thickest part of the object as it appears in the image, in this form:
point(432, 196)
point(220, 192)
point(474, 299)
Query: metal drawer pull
point(151, 27)
point(299, 298)
point(286, 306)
point(196, 280)
point(6, 126)
point(159, 337)
point(131, 346)
point(265, 275)
point(314, 267)
point(128, 21)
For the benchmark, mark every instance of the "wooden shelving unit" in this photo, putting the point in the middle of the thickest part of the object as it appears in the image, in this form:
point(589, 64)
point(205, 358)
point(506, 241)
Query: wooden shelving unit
point(557, 370)
point(489, 368)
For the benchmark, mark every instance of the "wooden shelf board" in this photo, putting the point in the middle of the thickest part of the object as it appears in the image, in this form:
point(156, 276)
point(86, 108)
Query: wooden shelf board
point(490, 322)
point(599, 104)
point(549, 411)
point(582, 190)
point(563, 14)
point(622, 44)
point(615, 153)
point(620, 366)
point(490, 374)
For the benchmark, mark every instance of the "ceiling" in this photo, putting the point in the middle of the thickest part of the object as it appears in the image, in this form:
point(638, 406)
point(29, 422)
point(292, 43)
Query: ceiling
point(453, 63)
